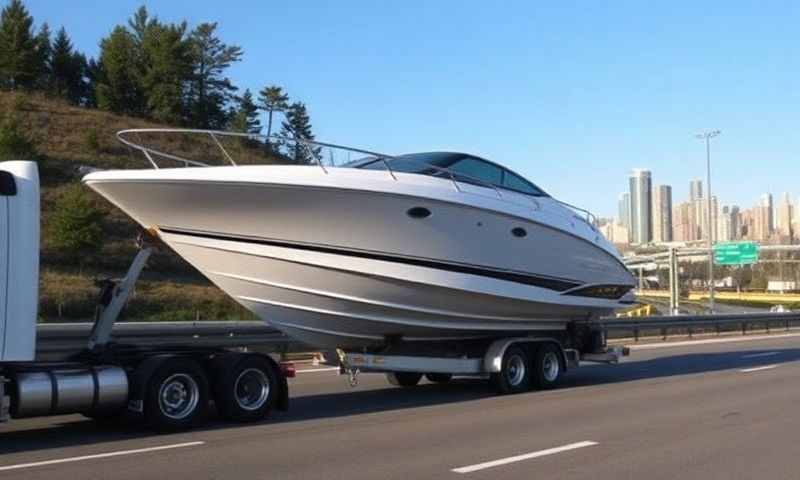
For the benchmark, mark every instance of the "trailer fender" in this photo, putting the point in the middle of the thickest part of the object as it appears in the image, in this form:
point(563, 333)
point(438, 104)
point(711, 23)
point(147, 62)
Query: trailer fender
point(493, 359)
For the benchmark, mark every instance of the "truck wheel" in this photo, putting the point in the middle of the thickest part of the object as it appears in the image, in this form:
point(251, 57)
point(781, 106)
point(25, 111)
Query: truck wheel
point(404, 379)
point(439, 377)
point(514, 375)
point(245, 388)
point(177, 395)
point(547, 367)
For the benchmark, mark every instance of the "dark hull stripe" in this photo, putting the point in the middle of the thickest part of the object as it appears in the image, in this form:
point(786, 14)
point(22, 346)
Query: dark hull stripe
point(524, 278)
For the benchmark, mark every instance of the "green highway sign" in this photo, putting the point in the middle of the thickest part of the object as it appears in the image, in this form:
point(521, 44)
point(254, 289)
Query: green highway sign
point(735, 253)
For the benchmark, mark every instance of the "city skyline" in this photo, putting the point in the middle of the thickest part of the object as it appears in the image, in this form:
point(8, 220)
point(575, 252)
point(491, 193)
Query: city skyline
point(649, 213)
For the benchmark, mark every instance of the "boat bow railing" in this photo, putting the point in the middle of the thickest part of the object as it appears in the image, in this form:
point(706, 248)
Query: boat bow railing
point(312, 149)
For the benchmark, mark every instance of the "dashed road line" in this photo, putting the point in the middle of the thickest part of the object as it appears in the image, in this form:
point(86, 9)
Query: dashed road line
point(758, 369)
point(99, 456)
point(519, 458)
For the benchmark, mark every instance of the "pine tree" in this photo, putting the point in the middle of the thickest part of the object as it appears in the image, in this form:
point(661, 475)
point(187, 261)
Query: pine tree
point(75, 222)
point(44, 53)
point(94, 73)
point(166, 67)
point(20, 59)
point(245, 118)
point(297, 127)
point(272, 99)
point(67, 70)
point(119, 87)
point(210, 90)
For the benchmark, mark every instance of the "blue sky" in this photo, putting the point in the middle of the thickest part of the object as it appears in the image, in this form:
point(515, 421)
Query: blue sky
point(571, 94)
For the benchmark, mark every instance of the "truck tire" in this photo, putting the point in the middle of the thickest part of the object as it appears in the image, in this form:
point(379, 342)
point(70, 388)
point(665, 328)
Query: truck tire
point(547, 367)
point(515, 373)
point(404, 379)
point(439, 377)
point(245, 387)
point(177, 395)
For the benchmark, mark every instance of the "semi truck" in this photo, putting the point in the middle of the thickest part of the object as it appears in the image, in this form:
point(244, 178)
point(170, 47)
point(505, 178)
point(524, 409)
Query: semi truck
point(166, 375)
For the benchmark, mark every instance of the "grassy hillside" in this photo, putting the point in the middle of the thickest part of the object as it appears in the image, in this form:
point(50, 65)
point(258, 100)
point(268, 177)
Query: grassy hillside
point(66, 138)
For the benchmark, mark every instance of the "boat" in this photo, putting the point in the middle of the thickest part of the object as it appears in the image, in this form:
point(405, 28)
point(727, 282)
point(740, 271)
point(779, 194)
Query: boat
point(421, 247)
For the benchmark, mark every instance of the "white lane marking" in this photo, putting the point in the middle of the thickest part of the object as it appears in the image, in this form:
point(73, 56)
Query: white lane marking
point(519, 458)
point(312, 370)
point(711, 341)
point(758, 369)
point(765, 354)
point(100, 455)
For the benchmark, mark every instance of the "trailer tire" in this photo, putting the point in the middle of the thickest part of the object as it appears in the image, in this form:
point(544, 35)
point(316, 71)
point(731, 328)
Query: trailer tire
point(245, 387)
point(547, 367)
point(439, 377)
point(514, 375)
point(404, 379)
point(177, 395)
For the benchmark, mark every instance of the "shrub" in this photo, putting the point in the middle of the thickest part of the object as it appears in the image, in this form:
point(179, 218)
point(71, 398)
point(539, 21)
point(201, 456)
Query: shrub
point(75, 223)
point(14, 142)
point(91, 140)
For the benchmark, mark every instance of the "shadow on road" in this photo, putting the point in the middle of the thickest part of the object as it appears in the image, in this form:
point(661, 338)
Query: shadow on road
point(44, 434)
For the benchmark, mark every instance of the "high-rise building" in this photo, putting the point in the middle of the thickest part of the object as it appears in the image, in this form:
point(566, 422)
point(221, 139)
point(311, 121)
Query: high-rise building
point(682, 223)
point(725, 225)
point(624, 206)
point(761, 217)
point(766, 202)
point(784, 216)
point(736, 223)
point(662, 213)
point(695, 190)
point(641, 206)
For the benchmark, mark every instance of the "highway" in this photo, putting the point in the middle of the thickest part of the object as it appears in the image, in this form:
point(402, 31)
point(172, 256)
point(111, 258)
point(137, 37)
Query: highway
point(704, 410)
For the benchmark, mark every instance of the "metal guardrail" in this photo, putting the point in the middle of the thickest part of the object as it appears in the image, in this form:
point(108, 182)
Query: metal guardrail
point(59, 341)
point(691, 323)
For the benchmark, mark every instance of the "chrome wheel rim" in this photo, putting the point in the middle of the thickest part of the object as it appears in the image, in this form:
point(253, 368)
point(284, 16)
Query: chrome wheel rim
point(251, 389)
point(178, 396)
point(550, 366)
point(515, 370)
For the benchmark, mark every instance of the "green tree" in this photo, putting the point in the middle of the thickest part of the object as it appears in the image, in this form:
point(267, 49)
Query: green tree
point(166, 68)
point(272, 99)
point(20, 56)
point(209, 88)
point(14, 142)
point(67, 70)
point(94, 73)
point(119, 88)
point(245, 117)
point(297, 127)
point(44, 52)
point(75, 222)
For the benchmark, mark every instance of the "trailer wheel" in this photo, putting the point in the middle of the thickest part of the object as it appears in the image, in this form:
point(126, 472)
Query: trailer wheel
point(404, 379)
point(177, 395)
point(514, 375)
point(547, 367)
point(245, 387)
point(439, 377)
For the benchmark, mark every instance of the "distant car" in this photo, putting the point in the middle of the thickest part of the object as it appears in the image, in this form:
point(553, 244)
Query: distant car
point(779, 309)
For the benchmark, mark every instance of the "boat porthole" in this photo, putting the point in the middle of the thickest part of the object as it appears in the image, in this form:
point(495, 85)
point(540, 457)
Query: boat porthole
point(519, 232)
point(418, 212)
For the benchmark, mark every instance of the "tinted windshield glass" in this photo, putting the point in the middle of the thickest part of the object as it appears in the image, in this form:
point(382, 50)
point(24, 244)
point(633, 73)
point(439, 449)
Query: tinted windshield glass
point(466, 168)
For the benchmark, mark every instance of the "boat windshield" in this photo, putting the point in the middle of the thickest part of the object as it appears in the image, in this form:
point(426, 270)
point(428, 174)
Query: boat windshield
point(465, 168)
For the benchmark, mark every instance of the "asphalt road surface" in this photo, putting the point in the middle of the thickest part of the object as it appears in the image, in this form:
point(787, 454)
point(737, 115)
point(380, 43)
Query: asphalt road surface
point(702, 411)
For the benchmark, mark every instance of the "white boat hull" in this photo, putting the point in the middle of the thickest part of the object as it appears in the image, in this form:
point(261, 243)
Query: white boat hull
point(344, 267)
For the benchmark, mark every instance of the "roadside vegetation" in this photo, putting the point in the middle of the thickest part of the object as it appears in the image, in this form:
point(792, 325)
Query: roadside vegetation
point(63, 109)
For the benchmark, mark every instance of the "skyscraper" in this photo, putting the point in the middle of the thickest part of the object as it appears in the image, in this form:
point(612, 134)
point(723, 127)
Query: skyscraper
point(766, 202)
point(662, 213)
point(624, 206)
point(641, 206)
point(784, 216)
point(695, 190)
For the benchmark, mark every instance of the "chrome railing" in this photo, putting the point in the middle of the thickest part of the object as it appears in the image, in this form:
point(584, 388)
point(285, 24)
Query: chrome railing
point(151, 153)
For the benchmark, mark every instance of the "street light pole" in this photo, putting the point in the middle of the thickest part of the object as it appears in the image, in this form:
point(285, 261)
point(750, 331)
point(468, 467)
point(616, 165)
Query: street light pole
point(707, 136)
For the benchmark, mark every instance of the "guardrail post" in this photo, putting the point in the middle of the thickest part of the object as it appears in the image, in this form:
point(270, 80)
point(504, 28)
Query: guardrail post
point(787, 324)
point(636, 334)
point(718, 328)
point(664, 334)
point(744, 328)
point(691, 331)
point(767, 327)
